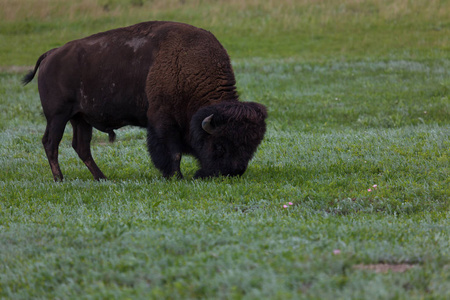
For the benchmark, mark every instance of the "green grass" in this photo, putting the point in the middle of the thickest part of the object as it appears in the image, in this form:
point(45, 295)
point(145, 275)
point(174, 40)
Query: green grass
point(309, 29)
point(338, 124)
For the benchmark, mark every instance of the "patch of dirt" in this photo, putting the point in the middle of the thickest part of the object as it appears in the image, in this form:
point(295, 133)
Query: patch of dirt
point(16, 69)
point(384, 268)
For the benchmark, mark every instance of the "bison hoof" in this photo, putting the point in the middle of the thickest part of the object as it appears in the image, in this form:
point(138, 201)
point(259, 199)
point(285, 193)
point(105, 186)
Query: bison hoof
point(203, 175)
point(177, 175)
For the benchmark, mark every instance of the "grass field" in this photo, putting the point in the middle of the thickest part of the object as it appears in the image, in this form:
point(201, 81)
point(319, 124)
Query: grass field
point(346, 198)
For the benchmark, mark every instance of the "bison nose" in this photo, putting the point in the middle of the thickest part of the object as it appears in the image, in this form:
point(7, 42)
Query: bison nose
point(238, 172)
point(233, 169)
point(238, 169)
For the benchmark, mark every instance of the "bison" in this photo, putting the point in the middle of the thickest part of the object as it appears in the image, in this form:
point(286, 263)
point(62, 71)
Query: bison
point(173, 79)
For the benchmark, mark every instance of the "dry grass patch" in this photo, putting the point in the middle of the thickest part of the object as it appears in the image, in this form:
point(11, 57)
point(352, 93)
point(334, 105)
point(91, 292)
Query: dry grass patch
point(289, 11)
point(384, 268)
point(15, 69)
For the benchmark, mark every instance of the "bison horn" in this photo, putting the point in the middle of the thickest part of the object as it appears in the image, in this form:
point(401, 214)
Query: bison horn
point(206, 125)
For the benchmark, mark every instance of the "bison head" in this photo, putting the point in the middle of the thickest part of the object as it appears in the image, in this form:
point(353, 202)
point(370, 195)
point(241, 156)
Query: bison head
point(225, 136)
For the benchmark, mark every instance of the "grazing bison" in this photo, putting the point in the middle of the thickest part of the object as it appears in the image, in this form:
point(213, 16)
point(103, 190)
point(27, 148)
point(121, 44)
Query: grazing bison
point(174, 79)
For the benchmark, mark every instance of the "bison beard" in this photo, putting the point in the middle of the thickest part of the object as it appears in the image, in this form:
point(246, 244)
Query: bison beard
point(174, 79)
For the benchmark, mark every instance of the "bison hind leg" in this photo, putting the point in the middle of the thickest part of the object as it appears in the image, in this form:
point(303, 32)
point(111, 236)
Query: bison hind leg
point(81, 142)
point(52, 137)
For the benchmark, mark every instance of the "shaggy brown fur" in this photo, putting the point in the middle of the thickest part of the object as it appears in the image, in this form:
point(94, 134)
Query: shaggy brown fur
point(165, 76)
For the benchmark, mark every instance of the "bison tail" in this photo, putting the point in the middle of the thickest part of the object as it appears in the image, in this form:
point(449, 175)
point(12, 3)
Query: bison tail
point(27, 78)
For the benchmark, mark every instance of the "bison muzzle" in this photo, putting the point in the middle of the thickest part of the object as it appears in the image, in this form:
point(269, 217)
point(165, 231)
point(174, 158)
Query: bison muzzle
point(174, 79)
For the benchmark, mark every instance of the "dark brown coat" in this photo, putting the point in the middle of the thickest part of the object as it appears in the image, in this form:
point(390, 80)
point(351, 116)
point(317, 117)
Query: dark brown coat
point(174, 79)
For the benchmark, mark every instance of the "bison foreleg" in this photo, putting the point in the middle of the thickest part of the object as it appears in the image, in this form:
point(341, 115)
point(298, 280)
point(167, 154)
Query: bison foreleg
point(81, 142)
point(165, 151)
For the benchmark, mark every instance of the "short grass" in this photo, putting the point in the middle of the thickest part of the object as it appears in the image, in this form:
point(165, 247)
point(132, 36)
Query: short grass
point(338, 126)
point(308, 29)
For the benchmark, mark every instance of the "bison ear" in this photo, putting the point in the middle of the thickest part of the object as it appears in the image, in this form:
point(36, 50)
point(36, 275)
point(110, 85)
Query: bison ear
point(207, 126)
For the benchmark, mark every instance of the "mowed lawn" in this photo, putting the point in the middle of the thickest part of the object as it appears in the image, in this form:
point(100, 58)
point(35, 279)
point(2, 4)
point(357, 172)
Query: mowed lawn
point(347, 197)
